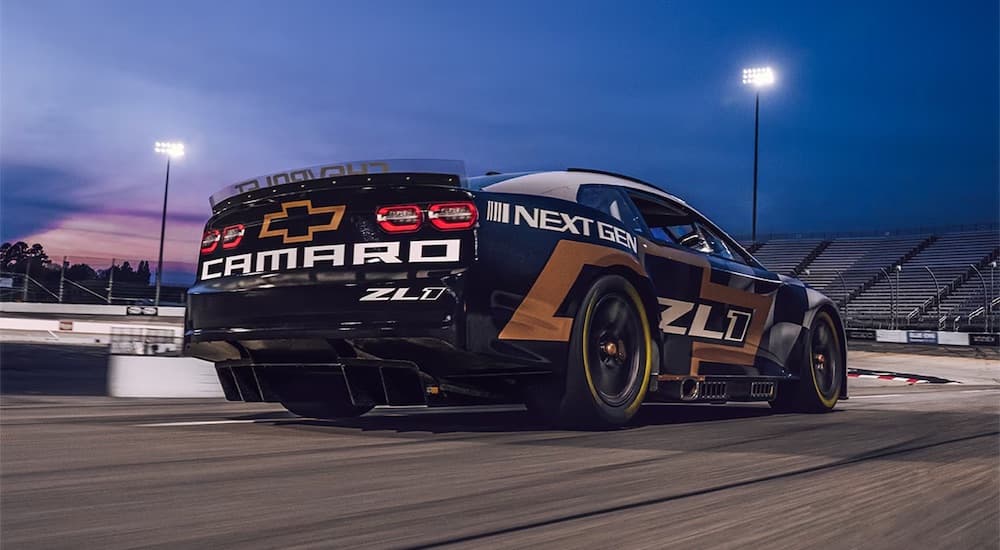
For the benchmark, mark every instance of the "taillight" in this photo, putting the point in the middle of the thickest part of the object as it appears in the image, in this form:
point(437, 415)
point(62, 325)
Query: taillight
point(399, 219)
point(449, 216)
point(210, 241)
point(232, 235)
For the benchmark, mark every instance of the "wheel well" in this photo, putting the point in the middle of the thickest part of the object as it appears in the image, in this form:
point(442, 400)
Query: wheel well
point(641, 284)
point(647, 294)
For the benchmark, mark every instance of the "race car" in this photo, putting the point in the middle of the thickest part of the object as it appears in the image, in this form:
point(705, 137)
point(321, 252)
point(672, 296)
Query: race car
point(580, 293)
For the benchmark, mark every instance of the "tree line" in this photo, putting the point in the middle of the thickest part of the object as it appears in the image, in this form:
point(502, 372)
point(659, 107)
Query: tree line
point(19, 258)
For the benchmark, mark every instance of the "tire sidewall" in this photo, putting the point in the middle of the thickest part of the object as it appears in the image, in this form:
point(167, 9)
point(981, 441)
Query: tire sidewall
point(803, 395)
point(581, 403)
point(825, 402)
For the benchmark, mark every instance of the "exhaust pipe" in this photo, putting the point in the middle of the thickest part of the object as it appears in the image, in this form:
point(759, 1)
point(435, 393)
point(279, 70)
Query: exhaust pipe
point(685, 389)
point(689, 389)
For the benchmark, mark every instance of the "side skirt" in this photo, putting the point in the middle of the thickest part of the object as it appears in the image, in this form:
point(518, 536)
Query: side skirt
point(715, 389)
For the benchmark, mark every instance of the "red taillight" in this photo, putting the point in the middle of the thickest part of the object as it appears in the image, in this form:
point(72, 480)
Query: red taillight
point(232, 235)
point(449, 216)
point(210, 241)
point(399, 219)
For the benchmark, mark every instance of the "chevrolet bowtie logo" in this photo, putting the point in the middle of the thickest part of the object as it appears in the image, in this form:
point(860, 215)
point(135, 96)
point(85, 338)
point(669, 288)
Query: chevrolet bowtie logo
point(336, 214)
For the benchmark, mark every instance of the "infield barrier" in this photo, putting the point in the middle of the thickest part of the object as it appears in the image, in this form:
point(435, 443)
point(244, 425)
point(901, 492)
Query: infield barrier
point(925, 337)
point(159, 376)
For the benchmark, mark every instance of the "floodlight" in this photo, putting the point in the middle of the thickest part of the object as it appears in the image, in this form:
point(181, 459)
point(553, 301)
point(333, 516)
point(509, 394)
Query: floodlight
point(758, 76)
point(170, 148)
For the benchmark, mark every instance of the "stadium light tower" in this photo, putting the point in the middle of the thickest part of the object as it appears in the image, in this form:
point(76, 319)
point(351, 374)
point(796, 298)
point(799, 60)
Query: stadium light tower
point(758, 77)
point(171, 149)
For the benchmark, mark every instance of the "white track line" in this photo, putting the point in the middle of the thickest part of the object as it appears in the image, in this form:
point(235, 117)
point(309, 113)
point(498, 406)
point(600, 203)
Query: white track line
point(853, 397)
point(213, 422)
point(915, 394)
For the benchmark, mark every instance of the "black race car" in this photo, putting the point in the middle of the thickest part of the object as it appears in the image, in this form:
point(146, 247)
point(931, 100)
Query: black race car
point(580, 293)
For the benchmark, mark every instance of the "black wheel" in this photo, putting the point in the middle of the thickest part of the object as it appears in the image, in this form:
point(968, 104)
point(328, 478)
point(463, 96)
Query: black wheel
point(323, 410)
point(821, 371)
point(608, 365)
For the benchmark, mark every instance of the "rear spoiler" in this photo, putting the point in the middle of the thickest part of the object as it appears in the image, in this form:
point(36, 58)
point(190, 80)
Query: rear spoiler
point(331, 171)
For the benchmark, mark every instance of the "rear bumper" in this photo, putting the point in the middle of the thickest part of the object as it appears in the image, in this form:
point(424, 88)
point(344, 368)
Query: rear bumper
point(444, 323)
point(412, 308)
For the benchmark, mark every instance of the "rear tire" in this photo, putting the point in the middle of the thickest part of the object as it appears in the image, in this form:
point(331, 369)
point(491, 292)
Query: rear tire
point(609, 362)
point(821, 370)
point(325, 411)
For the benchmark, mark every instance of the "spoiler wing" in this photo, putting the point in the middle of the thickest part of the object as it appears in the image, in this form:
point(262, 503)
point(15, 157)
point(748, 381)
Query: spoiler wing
point(338, 169)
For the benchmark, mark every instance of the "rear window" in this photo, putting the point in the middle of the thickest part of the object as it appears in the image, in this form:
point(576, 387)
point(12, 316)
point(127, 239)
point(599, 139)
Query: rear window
point(672, 223)
point(613, 202)
point(479, 183)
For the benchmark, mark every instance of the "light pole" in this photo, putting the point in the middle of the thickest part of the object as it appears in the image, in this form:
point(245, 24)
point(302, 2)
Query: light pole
point(986, 299)
point(937, 294)
point(844, 284)
point(895, 312)
point(993, 293)
point(171, 149)
point(758, 77)
point(892, 299)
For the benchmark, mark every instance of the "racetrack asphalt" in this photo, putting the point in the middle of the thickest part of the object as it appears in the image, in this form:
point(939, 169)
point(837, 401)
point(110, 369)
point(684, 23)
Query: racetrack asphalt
point(894, 467)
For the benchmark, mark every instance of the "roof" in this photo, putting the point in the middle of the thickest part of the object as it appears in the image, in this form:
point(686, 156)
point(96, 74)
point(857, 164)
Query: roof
point(561, 184)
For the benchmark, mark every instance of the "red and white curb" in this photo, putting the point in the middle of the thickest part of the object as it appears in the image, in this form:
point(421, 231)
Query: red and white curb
point(897, 377)
point(891, 377)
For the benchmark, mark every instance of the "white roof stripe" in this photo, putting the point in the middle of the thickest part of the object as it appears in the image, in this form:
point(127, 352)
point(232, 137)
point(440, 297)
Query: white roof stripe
point(565, 185)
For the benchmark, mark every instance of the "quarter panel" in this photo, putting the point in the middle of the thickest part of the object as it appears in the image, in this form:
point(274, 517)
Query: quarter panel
point(713, 321)
point(536, 255)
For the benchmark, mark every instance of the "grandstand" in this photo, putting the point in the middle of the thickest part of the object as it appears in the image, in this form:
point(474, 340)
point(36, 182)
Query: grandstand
point(848, 266)
point(788, 256)
point(925, 280)
point(942, 267)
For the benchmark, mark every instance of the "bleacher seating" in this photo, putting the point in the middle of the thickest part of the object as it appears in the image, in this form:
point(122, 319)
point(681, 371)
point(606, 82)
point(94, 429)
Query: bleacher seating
point(967, 297)
point(848, 264)
point(948, 257)
point(783, 255)
point(850, 271)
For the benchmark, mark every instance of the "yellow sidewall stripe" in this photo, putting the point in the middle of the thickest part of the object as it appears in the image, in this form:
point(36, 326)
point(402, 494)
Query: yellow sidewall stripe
point(637, 301)
point(824, 317)
point(649, 350)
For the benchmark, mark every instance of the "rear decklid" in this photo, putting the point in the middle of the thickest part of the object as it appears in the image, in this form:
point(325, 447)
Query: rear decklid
point(335, 246)
point(340, 221)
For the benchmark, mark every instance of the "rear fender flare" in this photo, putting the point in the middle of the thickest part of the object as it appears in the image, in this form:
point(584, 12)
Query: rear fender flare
point(643, 286)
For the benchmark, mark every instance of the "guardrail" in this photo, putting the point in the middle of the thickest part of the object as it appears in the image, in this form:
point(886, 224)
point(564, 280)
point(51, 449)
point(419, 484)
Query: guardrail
point(89, 309)
point(76, 331)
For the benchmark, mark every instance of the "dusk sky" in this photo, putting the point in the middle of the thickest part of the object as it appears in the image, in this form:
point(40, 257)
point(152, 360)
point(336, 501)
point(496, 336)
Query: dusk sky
point(884, 115)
